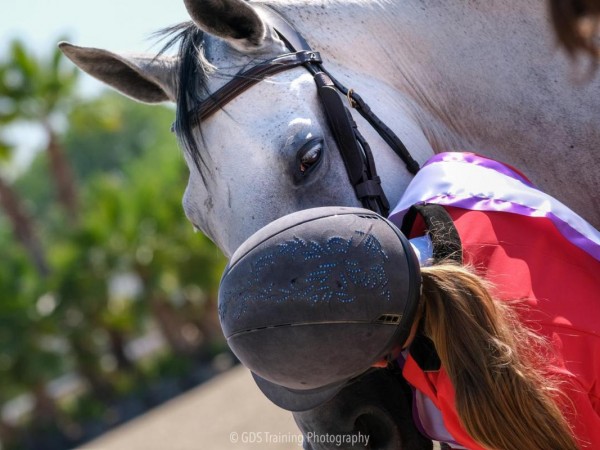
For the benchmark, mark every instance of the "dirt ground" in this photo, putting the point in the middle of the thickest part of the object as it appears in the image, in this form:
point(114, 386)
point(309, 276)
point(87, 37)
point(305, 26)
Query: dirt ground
point(226, 413)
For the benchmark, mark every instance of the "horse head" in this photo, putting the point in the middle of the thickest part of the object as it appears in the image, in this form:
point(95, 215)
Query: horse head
point(266, 153)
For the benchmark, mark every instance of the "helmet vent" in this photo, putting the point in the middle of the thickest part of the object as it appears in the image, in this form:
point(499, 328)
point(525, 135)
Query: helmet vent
point(373, 217)
point(389, 318)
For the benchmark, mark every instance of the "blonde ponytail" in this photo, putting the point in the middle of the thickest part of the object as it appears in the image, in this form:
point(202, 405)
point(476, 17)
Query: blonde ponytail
point(504, 400)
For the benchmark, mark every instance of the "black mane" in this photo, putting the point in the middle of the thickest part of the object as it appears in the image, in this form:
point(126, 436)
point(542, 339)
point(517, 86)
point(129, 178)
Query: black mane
point(192, 83)
point(192, 78)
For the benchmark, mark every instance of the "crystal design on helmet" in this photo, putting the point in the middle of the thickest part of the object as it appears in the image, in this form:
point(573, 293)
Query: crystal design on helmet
point(335, 271)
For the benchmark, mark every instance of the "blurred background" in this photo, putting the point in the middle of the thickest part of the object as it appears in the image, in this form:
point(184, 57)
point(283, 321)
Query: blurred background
point(107, 297)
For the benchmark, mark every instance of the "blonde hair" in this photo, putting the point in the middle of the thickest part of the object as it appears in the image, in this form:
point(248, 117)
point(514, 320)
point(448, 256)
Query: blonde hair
point(504, 397)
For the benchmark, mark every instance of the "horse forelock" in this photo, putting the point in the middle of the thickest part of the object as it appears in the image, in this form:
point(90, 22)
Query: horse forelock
point(192, 83)
point(192, 80)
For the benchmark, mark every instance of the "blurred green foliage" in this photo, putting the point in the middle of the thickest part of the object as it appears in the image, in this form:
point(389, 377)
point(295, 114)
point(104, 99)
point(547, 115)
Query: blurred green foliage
point(128, 267)
point(33, 88)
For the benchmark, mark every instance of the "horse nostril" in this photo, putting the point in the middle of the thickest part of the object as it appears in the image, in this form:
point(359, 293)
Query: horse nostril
point(379, 432)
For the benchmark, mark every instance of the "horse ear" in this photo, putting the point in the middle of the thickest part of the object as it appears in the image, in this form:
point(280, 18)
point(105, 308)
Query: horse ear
point(232, 20)
point(143, 78)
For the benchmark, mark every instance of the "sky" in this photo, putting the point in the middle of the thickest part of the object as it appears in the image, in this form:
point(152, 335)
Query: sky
point(116, 25)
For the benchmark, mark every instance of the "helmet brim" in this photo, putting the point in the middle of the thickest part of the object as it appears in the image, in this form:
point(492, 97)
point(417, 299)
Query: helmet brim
point(296, 400)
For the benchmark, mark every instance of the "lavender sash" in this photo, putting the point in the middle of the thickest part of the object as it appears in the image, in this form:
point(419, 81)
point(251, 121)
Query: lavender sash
point(470, 181)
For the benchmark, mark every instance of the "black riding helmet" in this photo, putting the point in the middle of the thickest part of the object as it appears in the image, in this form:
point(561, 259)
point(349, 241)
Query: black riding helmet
point(312, 300)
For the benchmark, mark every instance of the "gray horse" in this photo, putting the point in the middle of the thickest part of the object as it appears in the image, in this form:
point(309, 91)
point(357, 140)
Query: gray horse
point(444, 75)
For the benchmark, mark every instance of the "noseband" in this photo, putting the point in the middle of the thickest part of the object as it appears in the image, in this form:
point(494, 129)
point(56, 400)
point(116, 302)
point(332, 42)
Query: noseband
point(356, 152)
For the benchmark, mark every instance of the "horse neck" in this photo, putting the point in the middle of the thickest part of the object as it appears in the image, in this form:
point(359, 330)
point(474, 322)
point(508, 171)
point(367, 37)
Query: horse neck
point(348, 33)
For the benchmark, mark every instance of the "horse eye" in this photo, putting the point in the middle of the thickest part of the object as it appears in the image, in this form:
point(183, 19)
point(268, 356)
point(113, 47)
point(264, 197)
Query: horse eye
point(310, 155)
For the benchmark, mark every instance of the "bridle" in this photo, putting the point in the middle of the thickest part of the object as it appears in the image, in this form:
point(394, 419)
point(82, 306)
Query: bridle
point(355, 151)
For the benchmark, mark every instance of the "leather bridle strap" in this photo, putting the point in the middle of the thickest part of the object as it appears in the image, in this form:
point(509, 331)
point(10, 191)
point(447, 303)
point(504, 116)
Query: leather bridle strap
point(355, 151)
point(382, 129)
point(241, 82)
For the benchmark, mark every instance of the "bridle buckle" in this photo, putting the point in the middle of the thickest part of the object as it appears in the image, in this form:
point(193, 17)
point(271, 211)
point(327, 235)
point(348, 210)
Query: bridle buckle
point(351, 101)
